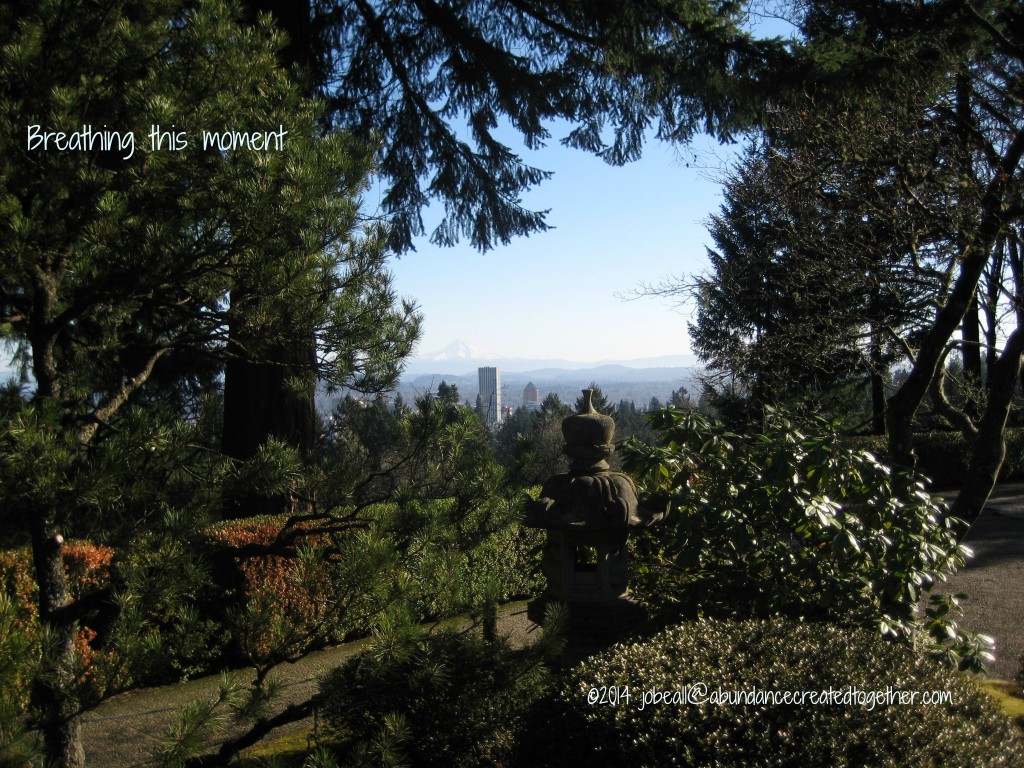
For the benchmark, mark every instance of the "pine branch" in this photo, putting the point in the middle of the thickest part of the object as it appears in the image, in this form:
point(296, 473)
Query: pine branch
point(130, 385)
point(229, 749)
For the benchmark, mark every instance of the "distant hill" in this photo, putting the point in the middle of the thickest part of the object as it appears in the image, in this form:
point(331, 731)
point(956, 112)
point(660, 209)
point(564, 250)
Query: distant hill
point(637, 380)
point(616, 382)
point(462, 359)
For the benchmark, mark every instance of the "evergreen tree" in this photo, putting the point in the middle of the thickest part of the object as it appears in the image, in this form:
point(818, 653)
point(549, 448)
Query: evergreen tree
point(553, 407)
point(920, 172)
point(772, 315)
point(629, 422)
point(448, 393)
point(406, 73)
point(117, 259)
point(529, 444)
point(399, 407)
point(680, 398)
point(945, 133)
point(384, 64)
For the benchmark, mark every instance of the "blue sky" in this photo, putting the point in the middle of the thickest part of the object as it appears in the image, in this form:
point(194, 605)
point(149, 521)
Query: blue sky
point(560, 294)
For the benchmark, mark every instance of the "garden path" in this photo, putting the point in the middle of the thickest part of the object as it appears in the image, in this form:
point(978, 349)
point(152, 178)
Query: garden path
point(994, 577)
point(124, 730)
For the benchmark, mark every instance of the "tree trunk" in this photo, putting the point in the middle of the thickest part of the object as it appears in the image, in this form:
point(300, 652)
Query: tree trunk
point(904, 403)
point(994, 285)
point(258, 401)
point(54, 693)
point(971, 354)
point(877, 384)
point(990, 447)
point(970, 327)
point(259, 404)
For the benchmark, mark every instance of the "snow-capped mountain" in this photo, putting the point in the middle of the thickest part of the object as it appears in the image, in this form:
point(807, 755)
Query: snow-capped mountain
point(459, 350)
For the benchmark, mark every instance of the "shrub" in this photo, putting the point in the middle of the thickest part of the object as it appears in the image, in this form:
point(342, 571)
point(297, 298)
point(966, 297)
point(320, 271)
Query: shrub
point(176, 608)
point(442, 699)
point(454, 561)
point(943, 457)
point(277, 592)
point(793, 523)
point(774, 655)
point(18, 661)
point(88, 569)
point(165, 625)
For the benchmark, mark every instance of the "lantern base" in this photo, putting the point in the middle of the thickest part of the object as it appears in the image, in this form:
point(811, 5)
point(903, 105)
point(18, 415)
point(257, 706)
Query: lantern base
point(593, 625)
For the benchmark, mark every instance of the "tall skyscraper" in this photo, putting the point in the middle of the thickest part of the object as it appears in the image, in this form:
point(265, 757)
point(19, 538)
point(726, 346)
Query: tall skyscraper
point(490, 394)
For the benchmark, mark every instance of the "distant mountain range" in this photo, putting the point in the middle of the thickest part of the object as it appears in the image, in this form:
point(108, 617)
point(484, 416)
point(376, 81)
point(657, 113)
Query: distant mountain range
point(638, 380)
point(462, 359)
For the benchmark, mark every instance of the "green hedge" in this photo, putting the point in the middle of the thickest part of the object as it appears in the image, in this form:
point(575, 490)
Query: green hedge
point(943, 456)
point(775, 655)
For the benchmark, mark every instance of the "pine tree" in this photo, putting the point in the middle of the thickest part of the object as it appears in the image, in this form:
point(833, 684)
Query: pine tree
point(597, 399)
point(448, 393)
point(114, 260)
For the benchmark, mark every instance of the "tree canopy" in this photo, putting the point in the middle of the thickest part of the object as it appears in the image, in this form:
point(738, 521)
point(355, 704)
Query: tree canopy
point(114, 258)
point(442, 84)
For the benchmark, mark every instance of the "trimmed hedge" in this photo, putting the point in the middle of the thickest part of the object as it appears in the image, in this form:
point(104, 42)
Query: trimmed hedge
point(768, 655)
point(943, 456)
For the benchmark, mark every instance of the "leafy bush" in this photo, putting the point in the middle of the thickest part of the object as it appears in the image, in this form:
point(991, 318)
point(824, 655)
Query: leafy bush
point(943, 457)
point(87, 567)
point(777, 655)
point(19, 657)
point(442, 699)
point(164, 619)
point(792, 523)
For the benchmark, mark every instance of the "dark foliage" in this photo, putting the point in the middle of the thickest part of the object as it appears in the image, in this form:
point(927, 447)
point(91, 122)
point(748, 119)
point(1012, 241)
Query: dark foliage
point(442, 699)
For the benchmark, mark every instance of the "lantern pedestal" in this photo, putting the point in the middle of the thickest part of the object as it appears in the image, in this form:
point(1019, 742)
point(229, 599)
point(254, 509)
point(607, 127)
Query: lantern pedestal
point(588, 513)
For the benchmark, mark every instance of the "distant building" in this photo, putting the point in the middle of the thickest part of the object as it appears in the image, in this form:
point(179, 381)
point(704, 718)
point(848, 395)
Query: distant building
point(531, 397)
point(490, 394)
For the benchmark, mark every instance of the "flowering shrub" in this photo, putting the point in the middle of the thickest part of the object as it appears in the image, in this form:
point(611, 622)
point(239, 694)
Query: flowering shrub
point(88, 568)
point(181, 606)
point(283, 598)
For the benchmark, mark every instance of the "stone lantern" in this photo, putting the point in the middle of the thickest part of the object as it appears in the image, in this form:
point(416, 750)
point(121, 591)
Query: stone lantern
point(588, 513)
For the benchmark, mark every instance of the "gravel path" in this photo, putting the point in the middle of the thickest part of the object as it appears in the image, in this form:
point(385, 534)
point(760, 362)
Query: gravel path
point(994, 578)
point(122, 732)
